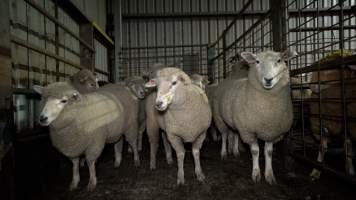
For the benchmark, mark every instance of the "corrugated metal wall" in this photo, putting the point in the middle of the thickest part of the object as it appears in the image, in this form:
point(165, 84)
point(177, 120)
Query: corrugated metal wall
point(47, 46)
point(94, 9)
point(148, 40)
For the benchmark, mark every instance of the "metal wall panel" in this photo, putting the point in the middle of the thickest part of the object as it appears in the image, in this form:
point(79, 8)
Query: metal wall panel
point(150, 32)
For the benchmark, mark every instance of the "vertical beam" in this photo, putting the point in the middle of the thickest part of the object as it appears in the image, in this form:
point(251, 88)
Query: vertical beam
point(5, 55)
point(278, 19)
point(7, 168)
point(86, 56)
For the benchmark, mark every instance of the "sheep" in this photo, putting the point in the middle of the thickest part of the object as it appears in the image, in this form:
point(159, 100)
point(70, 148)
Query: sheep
point(258, 107)
point(137, 87)
point(202, 82)
point(239, 71)
point(84, 81)
point(152, 126)
point(183, 112)
point(199, 80)
point(81, 124)
point(332, 128)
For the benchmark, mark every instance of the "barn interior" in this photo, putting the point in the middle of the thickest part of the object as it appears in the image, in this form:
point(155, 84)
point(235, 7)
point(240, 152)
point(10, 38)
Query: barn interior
point(48, 41)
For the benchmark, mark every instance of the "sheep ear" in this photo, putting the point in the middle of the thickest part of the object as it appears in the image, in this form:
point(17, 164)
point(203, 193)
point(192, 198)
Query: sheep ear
point(288, 54)
point(38, 89)
point(151, 83)
point(249, 57)
point(184, 79)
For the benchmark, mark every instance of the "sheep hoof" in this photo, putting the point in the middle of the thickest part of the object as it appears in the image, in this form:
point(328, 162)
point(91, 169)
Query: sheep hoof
point(137, 163)
point(200, 177)
point(223, 156)
point(117, 164)
point(180, 181)
point(270, 178)
point(256, 175)
point(73, 186)
point(152, 166)
point(91, 187)
point(315, 174)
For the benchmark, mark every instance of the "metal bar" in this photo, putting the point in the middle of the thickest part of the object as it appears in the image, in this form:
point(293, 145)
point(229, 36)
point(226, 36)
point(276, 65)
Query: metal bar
point(334, 64)
point(243, 9)
point(54, 20)
point(244, 34)
point(324, 168)
point(23, 43)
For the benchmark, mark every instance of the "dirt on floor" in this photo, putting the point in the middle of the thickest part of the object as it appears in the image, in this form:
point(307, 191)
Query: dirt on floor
point(228, 179)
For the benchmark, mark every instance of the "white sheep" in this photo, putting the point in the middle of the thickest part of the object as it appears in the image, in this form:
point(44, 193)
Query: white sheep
point(259, 106)
point(239, 71)
point(183, 113)
point(81, 124)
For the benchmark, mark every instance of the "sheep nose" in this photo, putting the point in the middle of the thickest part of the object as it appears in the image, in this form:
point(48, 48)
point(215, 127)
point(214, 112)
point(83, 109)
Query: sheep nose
point(159, 104)
point(268, 80)
point(43, 118)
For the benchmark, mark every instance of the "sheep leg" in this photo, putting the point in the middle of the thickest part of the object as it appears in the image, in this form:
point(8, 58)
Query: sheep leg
point(167, 148)
point(153, 137)
point(269, 176)
point(223, 129)
point(178, 146)
point(76, 176)
point(92, 175)
point(118, 152)
point(315, 174)
point(213, 132)
point(349, 150)
point(223, 152)
point(231, 140)
point(131, 138)
point(197, 144)
point(255, 151)
point(140, 136)
point(235, 150)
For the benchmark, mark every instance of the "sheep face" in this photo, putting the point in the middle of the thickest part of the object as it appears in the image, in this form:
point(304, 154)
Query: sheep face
point(166, 89)
point(85, 81)
point(268, 66)
point(54, 104)
point(138, 89)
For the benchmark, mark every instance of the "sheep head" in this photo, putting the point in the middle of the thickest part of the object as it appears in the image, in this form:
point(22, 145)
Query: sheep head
point(200, 80)
point(54, 98)
point(137, 86)
point(168, 80)
point(269, 67)
point(84, 81)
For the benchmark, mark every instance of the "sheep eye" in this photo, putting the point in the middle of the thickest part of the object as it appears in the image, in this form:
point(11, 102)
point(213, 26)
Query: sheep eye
point(64, 101)
point(174, 82)
point(279, 60)
point(257, 62)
